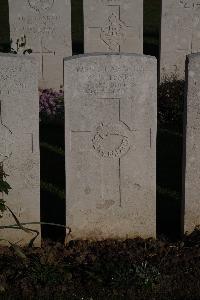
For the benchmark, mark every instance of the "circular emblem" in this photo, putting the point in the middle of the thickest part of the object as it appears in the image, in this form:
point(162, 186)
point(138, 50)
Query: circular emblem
point(41, 5)
point(111, 140)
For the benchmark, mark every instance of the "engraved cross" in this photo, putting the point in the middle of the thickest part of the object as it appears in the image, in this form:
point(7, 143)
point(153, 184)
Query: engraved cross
point(114, 32)
point(121, 135)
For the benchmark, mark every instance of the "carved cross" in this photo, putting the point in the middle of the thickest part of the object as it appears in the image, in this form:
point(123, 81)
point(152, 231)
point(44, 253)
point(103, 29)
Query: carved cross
point(102, 134)
point(44, 51)
point(8, 138)
point(114, 31)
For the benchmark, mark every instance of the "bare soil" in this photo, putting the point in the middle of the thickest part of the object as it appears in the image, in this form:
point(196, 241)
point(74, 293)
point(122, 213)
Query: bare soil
point(132, 269)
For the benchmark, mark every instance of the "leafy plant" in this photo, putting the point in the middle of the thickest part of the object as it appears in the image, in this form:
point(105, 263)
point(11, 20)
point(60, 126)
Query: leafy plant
point(4, 188)
point(20, 46)
point(146, 274)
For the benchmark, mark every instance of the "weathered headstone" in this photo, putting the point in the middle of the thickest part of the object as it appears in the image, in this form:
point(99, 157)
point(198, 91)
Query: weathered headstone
point(19, 142)
point(179, 35)
point(44, 26)
point(192, 145)
point(113, 26)
point(110, 106)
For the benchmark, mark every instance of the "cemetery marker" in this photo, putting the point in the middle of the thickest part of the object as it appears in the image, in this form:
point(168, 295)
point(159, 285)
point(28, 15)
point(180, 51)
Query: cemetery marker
point(179, 35)
point(110, 132)
point(19, 142)
point(113, 26)
point(44, 26)
point(192, 146)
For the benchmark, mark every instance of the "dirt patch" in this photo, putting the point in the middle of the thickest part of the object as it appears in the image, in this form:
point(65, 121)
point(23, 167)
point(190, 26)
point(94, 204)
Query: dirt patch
point(131, 269)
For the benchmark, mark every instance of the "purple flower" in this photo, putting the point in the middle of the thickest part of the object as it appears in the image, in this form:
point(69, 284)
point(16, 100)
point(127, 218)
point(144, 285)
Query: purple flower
point(51, 104)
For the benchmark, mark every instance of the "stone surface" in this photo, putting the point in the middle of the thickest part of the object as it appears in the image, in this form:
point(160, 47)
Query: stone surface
point(45, 28)
point(110, 131)
point(113, 26)
point(180, 35)
point(19, 142)
point(192, 145)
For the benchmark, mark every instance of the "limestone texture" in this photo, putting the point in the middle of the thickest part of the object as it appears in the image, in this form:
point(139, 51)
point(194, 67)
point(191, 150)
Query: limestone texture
point(110, 134)
point(19, 143)
point(44, 26)
point(113, 26)
point(180, 36)
point(191, 163)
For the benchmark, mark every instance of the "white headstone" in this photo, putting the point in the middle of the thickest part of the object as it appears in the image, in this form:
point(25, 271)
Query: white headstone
point(110, 131)
point(19, 142)
point(179, 35)
point(45, 28)
point(192, 145)
point(113, 26)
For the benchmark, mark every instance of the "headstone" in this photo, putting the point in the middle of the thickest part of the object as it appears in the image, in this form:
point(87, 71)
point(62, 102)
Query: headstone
point(113, 26)
point(179, 35)
point(192, 145)
point(19, 143)
point(44, 26)
point(110, 131)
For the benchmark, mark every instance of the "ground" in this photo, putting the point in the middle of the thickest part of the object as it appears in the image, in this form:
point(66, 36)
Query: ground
point(132, 269)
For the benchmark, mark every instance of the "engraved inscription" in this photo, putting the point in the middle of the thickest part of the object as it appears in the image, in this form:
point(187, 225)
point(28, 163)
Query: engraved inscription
point(17, 84)
point(41, 5)
point(36, 26)
point(114, 33)
point(110, 80)
point(189, 4)
point(111, 140)
point(112, 1)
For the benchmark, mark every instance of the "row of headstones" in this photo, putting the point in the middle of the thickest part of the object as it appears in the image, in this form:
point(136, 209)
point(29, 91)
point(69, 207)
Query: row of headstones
point(45, 28)
point(109, 26)
point(110, 144)
point(110, 149)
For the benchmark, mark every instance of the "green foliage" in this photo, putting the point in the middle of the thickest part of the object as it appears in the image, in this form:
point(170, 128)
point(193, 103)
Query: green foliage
point(42, 274)
point(4, 188)
point(20, 46)
point(146, 275)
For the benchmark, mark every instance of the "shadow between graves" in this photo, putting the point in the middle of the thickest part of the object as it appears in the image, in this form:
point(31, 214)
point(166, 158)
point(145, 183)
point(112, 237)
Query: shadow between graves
point(169, 183)
point(52, 180)
point(4, 27)
point(77, 27)
point(169, 158)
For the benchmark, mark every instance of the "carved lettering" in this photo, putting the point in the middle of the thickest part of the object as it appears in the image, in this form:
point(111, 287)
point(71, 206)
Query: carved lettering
point(41, 5)
point(189, 4)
